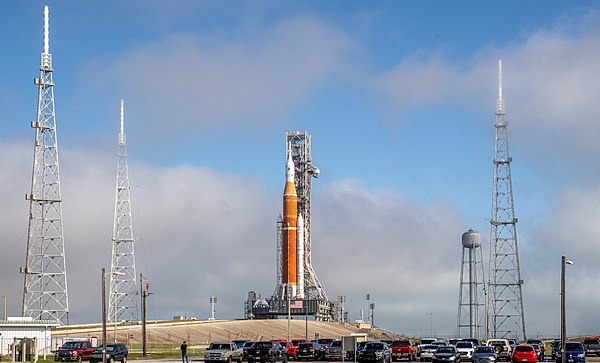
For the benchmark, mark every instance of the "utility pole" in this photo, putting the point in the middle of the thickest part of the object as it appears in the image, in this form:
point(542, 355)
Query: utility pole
point(144, 294)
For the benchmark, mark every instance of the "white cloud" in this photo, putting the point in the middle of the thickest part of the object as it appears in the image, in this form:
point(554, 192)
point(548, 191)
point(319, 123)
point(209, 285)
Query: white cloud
point(189, 83)
point(549, 78)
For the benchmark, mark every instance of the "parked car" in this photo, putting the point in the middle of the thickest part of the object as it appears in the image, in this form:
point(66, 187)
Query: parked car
point(484, 354)
point(359, 346)
point(75, 350)
point(502, 347)
point(524, 353)
point(466, 349)
point(375, 352)
point(266, 351)
point(223, 352)
point(310, 351)
point(247, 345)
point(439, 343)
point(294, 347)
point(555, 348)
point(334, 351)
point(427, 352)
point(114, 352)
point(591, 346)
point(574, 351)
point(446, 354)
point(541, 345)
point(403, 349)
point(423, 342)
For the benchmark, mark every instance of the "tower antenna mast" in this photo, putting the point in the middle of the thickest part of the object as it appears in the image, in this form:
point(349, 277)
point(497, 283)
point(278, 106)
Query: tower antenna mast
point(123, 282)
point(506, 315)
point(45, 294)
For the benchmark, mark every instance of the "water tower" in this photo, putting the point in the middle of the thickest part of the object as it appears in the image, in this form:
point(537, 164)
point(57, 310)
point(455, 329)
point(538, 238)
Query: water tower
point(472, 295)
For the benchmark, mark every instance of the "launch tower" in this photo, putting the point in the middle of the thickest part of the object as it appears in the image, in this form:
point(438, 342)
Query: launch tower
point(471, 298)
point(296, 278)
point(506, 316)
point(45, 294)
point(123, 291)
point(298, 146)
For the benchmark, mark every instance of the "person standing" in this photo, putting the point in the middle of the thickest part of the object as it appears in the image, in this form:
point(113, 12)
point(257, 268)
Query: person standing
point(184, 357)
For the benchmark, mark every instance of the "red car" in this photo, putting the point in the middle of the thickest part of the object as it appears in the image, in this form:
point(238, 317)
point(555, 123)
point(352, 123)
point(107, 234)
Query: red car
point(524, 353)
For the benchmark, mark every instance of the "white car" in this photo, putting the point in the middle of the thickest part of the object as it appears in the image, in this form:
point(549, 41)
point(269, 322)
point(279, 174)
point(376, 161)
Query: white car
point(502, 348)
point(465, 349)
point(427, 352)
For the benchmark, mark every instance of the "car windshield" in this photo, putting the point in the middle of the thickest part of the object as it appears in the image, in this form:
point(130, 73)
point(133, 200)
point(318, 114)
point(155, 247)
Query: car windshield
point(109, 348)
point(523, 348)
point(400, 343)
point(215, 346)
point(72, 345)
point(445, 350)
point(374, 346)
point(336, 343)
point(305, 345)
point(430, 347)
point(484, 350)
point(574, 346)
point(248, 344)
point(464, 345)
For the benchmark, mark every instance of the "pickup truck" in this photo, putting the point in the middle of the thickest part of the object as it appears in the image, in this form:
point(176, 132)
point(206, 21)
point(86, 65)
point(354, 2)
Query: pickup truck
point(591, 345)
point(403, 349)
point(223, 352)
point(266, 351)
point(74, 351)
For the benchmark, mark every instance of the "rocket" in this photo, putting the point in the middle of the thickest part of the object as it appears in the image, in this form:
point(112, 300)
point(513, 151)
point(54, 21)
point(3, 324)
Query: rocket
point(292, 238)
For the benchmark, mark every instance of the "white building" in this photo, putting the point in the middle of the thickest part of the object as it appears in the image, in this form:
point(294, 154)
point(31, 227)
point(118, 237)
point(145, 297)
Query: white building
point(26, 327)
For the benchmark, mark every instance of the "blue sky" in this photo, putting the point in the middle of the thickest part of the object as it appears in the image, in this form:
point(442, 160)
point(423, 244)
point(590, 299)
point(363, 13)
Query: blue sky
point(399, 97)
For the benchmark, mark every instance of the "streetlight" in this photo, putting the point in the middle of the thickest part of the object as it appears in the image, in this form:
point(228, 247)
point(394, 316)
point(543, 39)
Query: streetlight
point(563, 315)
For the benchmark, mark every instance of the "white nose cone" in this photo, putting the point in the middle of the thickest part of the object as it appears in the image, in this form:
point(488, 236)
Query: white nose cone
point(289, 169)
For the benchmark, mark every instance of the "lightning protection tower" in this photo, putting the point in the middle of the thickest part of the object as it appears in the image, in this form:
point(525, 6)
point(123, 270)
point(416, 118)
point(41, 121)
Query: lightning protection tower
point(471, 296)
point(506, 316)
point(298, 144)
point(45, 294)
point(123, 291)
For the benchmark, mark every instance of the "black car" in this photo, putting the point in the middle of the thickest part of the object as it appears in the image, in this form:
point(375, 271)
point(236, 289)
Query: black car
point(114, 352)
point(266, 351)
point(359, 346)
point(310, 351)
point(446, 354)
point(247, 345)
point(375, 352)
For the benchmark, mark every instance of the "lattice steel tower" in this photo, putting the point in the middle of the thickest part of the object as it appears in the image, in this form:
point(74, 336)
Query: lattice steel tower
point(298, 144)
point(45, 274)
point(506, 315)
point(123, 290)
point(471, 319)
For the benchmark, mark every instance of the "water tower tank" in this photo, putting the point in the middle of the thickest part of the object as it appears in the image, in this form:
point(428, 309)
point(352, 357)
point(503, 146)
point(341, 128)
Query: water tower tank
point(471, 239)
